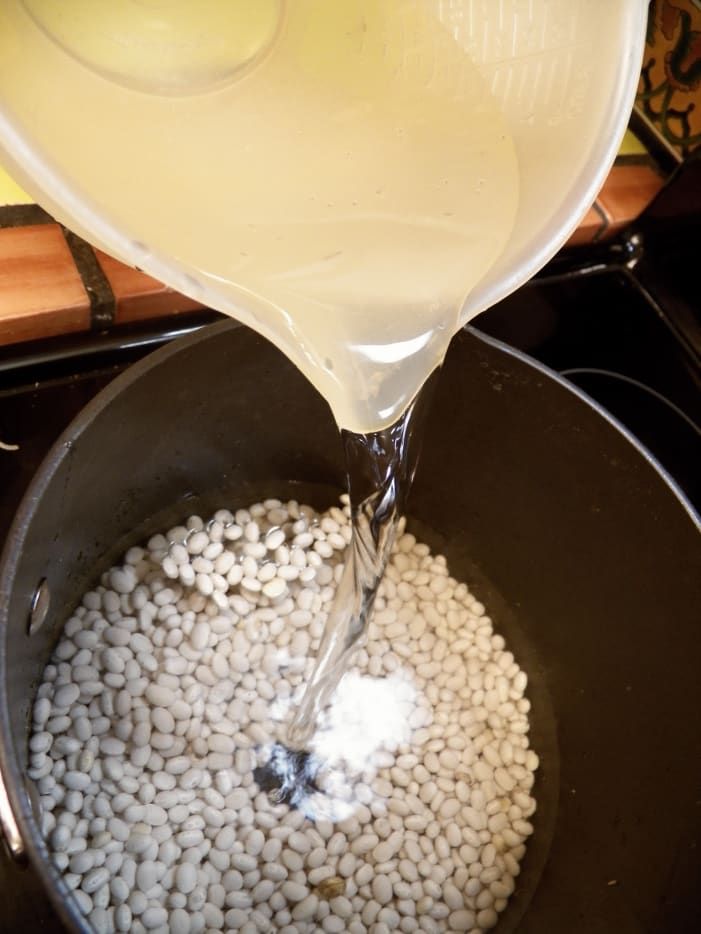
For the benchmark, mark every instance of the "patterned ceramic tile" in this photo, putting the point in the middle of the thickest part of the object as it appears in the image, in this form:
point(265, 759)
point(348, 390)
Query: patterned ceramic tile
point(669, 95)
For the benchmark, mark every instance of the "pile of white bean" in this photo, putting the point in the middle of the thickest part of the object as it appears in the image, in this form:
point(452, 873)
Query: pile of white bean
point(175, 675)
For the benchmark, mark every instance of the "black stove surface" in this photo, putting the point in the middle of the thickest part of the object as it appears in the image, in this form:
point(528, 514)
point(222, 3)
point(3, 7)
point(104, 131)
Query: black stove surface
point(619, 321)
point(623, 322)
point(598, 328)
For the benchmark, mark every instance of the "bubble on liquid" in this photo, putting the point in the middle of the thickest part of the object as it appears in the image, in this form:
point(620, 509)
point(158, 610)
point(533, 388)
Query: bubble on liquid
point(176, 47)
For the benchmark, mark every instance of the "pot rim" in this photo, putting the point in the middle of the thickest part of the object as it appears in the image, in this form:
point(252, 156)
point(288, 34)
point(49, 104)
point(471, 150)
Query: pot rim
point(11, 778)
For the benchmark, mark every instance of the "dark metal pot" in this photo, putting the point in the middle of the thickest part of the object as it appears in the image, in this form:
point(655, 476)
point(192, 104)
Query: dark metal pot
point(586, 555)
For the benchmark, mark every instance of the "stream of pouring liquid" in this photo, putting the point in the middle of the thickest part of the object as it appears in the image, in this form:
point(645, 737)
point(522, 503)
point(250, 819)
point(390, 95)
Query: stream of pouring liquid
point(380, 467)
point(347, 191)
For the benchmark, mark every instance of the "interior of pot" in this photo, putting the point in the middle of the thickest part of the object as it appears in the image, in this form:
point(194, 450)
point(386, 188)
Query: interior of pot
point(589, 562)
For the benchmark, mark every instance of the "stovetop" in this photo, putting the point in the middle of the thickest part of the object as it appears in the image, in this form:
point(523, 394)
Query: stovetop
point(620, 320)
point(599, 329)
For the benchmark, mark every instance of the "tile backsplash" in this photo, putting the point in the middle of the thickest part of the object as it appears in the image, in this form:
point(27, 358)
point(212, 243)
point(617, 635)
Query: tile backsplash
point(669, 95)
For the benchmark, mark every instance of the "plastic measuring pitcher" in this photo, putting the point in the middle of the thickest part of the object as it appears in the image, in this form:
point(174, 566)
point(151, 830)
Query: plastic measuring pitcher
point(141, 124)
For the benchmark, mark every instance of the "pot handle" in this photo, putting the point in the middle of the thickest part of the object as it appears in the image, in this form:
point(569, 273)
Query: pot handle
point(9, 831)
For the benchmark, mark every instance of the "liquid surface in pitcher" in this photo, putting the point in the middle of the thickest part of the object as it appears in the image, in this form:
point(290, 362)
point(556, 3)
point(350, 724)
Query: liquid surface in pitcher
point(343, 175)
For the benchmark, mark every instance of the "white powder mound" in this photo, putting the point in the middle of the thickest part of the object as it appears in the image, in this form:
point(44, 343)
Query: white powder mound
point(176, 677)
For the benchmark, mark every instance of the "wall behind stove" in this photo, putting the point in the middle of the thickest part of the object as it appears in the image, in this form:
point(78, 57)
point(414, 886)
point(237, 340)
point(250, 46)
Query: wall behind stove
point(669, 96)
